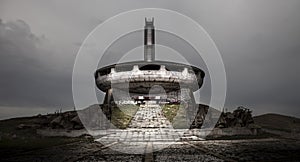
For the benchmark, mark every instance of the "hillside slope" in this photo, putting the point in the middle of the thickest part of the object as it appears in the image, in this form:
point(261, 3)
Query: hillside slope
point(278, 122)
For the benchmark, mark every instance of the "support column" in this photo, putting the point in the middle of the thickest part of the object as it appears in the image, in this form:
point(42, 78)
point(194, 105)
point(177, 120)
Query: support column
point(107, 103)
point(108, 97)
point(187, 97)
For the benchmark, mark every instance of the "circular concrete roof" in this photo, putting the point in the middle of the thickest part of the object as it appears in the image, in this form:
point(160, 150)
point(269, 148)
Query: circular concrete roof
point(140, 76)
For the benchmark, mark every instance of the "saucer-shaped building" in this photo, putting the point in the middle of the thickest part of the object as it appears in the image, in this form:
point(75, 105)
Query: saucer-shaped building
point(139, 77)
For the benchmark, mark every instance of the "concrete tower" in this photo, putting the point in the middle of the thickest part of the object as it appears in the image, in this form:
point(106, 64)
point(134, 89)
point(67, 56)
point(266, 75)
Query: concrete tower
point(149, 40)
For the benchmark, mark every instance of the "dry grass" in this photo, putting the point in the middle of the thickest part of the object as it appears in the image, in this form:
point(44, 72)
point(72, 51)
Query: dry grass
point(170, 111)
point(122, 115)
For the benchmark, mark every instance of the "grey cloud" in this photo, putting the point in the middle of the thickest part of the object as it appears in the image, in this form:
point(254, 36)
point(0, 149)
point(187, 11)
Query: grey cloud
point(29, 74)
point(258, 40)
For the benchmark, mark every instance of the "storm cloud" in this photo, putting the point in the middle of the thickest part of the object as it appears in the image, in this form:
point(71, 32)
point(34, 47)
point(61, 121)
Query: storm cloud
point(259, 42)
point(30, 74)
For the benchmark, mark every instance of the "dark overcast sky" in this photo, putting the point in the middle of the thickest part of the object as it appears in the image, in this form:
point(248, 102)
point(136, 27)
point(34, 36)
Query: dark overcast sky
point(259, 42)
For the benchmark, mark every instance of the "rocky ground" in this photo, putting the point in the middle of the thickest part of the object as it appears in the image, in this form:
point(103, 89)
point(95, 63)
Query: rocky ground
point(212, 150)
point(149, 137)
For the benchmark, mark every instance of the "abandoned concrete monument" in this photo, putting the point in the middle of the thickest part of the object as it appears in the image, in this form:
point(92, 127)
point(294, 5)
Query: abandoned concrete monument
point(143, 77)
point(149, 81)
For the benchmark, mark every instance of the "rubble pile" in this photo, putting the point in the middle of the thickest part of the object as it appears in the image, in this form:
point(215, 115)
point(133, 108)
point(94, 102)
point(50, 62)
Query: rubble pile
point(241, 117)
point(67, 120)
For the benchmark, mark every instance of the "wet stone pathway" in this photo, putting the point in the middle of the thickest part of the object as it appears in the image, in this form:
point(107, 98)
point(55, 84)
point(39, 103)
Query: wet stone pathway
point(148, 131)
point(149, 116)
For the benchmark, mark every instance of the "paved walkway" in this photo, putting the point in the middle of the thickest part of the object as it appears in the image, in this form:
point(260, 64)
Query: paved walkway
point(148, 131)
point(149, 116)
